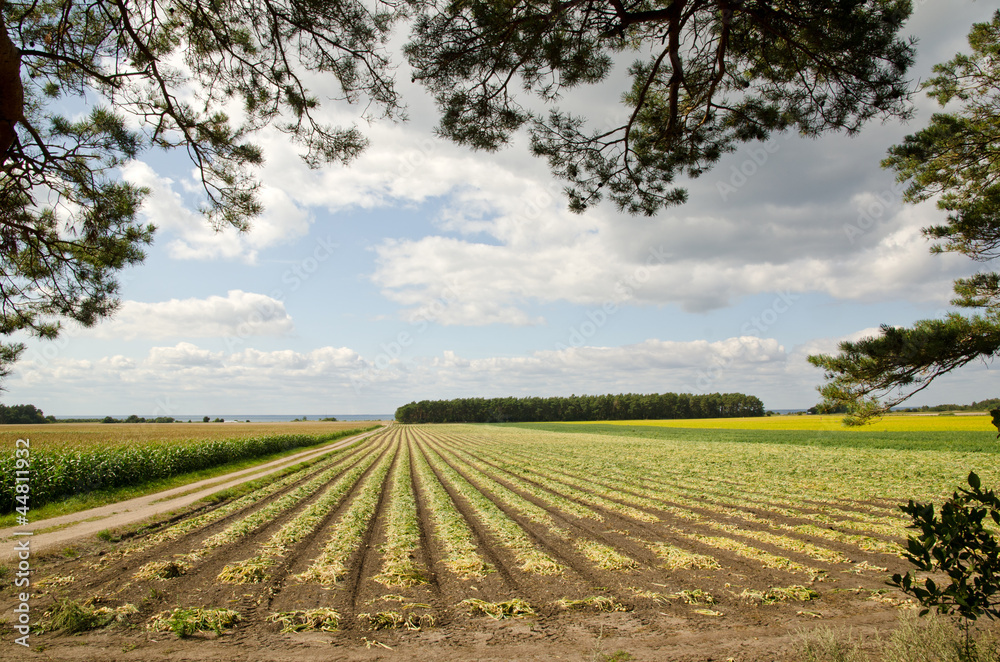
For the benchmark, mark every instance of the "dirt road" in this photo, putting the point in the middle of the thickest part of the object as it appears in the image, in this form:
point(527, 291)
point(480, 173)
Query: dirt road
point(58, 532)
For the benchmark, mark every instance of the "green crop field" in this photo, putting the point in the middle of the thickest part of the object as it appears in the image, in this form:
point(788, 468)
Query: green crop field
point(422, 527)
point(70, 460)
point(85, 436)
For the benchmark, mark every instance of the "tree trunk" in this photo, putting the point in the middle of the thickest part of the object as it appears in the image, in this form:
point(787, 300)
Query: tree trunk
point(11, 91)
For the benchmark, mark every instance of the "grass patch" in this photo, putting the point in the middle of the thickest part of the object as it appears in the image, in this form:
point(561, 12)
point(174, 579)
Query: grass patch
point(777, 594)
point(933, 638)
point(186, 622)
point(307, 620)
point(978, 422)
point(73, 617)
point(387, 620)
point(959, 440)
point(516, 608)
point(617, 656)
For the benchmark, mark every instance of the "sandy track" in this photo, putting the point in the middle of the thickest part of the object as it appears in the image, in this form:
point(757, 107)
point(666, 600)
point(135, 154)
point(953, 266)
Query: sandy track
point(88, 522)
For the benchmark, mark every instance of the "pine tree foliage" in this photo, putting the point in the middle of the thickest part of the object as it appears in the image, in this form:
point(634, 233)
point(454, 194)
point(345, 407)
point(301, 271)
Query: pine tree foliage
point(957, 159)
point(201, 76)
point(205, 76)
point(708, 76)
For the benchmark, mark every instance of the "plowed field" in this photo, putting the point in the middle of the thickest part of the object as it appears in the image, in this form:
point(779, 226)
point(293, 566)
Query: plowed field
point(478, 542)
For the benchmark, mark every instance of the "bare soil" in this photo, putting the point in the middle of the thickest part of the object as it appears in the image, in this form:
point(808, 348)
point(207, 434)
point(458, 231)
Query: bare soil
point(658, 624)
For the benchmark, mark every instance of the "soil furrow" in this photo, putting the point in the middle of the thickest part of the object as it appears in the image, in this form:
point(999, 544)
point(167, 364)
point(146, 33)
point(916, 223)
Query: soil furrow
point(112, 577)
point(484, 542)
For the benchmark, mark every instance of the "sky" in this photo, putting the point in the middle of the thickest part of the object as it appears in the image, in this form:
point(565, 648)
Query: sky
point(425, 270)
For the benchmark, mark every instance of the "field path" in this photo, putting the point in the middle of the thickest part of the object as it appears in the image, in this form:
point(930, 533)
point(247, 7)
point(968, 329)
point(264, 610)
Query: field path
point(88, 522)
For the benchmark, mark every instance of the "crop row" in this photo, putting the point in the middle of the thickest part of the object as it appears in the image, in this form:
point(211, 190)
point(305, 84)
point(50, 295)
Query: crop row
point(495, 520)
point(500, 526)
point(253, 521)
point(603, 486)
point(402, 537)
point(58, 474)
point(693, 510)
point(345, 535)
point(192, 524)
point(706, 495)
point(255, 568)
point(602, 555)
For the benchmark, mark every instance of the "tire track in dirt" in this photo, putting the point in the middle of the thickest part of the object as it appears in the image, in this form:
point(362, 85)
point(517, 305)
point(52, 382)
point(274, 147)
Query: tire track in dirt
point(484, 543)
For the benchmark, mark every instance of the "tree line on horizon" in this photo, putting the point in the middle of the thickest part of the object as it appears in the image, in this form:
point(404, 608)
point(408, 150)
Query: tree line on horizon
point(623, 406)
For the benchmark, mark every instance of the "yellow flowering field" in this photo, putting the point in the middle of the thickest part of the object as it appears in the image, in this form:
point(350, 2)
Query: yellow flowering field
point(893, 423)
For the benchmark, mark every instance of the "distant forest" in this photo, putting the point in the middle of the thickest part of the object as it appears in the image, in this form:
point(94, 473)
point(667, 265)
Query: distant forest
point(22, 414)
point(581, 408)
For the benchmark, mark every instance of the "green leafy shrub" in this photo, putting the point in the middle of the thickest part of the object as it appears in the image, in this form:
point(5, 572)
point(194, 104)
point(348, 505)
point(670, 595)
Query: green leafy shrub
point(958, 544)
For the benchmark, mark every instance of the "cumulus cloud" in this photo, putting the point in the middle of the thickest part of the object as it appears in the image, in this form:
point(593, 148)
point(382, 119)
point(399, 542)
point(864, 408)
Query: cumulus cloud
point(191, 237)
point(238, 314)
point(673, 267)
point(185, 378)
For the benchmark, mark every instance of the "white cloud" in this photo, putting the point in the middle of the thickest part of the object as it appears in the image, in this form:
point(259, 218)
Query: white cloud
point(591, 265)
point(238, 314)
point(188, 379)
point(191, 237)
point(341, 375)
point(182, 356)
